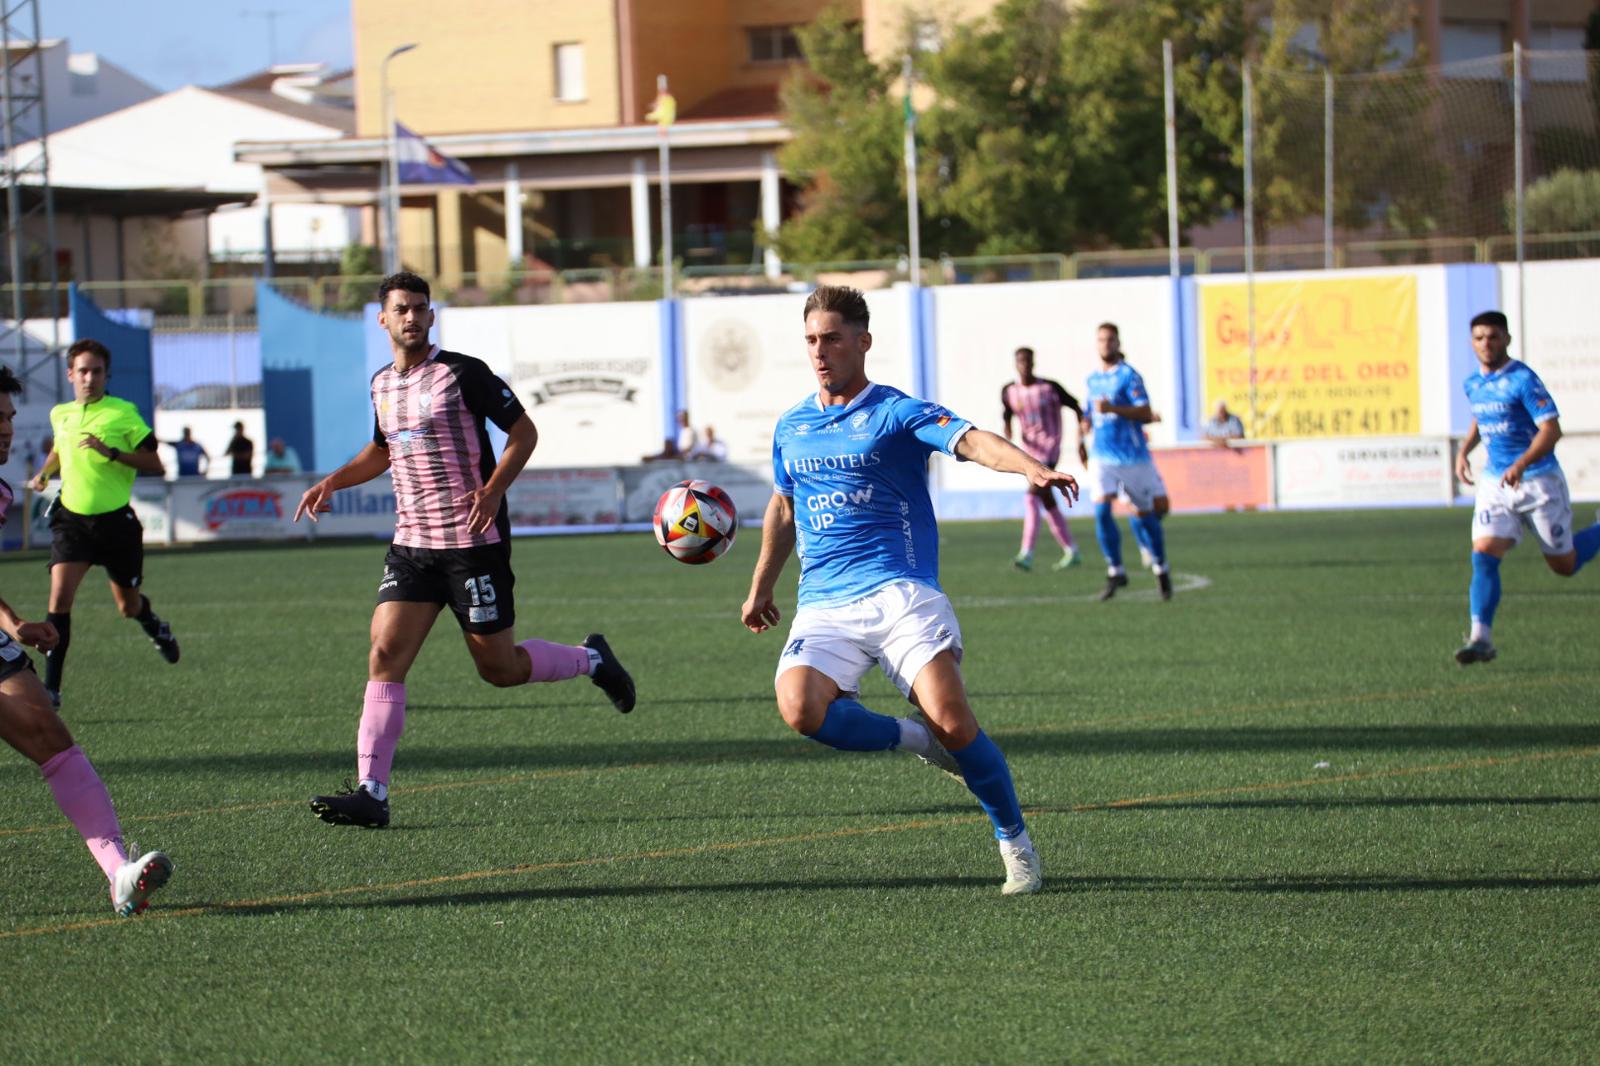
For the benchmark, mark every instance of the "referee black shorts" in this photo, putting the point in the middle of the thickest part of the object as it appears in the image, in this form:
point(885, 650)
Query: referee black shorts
point(476, 583)
point(114, 540)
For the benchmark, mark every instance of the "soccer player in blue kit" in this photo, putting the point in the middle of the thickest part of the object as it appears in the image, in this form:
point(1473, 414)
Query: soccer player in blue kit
point(1522, 483)
point(1119, 462)
point(850, 491)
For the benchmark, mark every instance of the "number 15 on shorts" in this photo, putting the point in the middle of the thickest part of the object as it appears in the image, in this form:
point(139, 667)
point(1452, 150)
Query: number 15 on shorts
point(480, 593)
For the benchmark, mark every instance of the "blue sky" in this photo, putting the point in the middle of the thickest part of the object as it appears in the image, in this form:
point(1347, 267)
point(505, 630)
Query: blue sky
point(173, 43)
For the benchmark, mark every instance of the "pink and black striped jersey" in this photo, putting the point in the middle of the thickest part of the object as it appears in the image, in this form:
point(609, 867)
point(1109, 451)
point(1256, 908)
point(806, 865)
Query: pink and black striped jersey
point(431, 420)
point(1038, 407)
point(8, 496)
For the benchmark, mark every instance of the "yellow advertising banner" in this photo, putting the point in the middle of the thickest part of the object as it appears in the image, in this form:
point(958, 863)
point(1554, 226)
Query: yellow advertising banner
point(1335, 357)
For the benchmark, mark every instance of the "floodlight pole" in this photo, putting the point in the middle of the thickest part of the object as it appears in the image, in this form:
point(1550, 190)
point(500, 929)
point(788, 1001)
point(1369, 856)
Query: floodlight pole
point(1250, 239)
point(1521, 193)
point(913, 213)
point(391, 170)
point(1173, 264)
point(1327, 167)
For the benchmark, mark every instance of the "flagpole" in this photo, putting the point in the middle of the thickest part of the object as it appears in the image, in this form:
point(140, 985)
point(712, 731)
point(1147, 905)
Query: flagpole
point(666, 195)
point(914, 234)
point(391, 176)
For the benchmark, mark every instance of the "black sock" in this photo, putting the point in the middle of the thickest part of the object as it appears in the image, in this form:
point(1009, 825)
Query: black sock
point(55, 659)
point(147, 618)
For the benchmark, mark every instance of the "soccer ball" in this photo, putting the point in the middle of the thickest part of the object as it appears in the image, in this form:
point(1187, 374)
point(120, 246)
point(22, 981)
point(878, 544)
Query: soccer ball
point(695, 521)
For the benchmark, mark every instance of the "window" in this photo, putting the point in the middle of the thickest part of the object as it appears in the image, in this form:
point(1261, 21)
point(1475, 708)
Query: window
point(772, 44)
point(1460, 41)
point(568, 63)
point(1547, 38)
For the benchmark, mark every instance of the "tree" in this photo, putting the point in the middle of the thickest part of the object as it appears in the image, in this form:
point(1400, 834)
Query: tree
point(846, 148)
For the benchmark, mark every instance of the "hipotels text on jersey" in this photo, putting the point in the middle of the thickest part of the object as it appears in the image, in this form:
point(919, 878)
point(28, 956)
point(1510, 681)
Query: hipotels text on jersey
point(847, 461)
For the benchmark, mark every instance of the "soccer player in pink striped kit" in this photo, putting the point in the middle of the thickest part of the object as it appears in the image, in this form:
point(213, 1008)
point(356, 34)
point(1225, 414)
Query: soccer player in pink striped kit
point(31, 725)
point(452, 539)
point(1036, 403)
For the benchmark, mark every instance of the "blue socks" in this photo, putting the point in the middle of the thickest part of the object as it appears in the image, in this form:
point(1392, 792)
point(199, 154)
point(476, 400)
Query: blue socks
point(1147, 527)
point(1106, 532)
point(848, 726)
point(1586, 542)
point(1484, 594)
point(989, 778)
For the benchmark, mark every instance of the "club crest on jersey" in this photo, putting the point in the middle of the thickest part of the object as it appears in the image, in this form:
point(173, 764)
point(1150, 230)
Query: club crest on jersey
point(859, 420)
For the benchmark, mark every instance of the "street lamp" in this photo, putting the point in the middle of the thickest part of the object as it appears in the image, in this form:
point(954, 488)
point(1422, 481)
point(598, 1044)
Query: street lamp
point(391, 183)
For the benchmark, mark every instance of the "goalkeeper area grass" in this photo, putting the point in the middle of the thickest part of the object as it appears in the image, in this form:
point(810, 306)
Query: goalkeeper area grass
point(1277, 821)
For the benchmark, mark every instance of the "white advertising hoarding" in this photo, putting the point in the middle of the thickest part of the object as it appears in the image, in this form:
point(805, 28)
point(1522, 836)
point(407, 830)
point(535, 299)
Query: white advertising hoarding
point(589, 374)
point(980, 327)
point(1397, 471)
point(745, 361)
point(1561, 339)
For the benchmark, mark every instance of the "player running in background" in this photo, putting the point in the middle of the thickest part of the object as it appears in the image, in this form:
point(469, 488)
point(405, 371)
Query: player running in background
point(1522, 484)
point(1037, 403)
point(101, 442)
point(29, 724)
point(849, 464)
point(452, 539)
point(1119, 462)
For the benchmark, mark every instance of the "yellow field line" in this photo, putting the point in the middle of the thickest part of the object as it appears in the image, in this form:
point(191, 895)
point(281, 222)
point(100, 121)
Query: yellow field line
point(799, 838)
point(541, 775)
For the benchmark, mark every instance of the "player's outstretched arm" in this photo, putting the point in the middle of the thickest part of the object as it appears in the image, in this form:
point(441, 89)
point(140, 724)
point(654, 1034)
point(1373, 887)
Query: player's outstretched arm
point(369, 462)
point(759, 612)
point(1464, 468)
point(1132, 412)
point(986, 449)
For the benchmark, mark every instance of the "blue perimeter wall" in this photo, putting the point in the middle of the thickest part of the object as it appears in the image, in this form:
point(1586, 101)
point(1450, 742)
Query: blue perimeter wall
point(130, 346)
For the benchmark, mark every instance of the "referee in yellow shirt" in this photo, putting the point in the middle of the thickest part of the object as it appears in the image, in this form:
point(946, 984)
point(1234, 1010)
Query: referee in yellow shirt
point(101, 442)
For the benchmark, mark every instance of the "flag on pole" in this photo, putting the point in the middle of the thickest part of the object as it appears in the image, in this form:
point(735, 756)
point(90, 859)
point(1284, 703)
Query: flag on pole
point(420, 163)
point(664, 112)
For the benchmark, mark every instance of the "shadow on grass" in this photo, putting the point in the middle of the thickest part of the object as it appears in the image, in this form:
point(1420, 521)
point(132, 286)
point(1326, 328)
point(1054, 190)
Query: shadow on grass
point(1330, 742)
point(1290, 884)
point(1339, 804)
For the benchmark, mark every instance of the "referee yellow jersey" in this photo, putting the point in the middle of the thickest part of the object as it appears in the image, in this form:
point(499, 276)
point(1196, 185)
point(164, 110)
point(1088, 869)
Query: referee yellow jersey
point(91, 483)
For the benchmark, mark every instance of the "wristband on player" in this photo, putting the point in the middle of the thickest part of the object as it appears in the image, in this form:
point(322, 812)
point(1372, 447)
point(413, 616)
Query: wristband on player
point(114, 454)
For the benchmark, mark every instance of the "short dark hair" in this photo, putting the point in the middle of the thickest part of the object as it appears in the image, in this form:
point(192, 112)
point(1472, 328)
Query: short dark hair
point(8, 382)
point(404, 281)
point(1025, 350)
point(93, 347)
point(1491, 318)
point(1112, 326)
point(848, 303)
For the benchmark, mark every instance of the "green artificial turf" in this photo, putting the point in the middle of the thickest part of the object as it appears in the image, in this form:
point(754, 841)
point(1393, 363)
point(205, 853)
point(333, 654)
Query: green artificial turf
point(1278, 822)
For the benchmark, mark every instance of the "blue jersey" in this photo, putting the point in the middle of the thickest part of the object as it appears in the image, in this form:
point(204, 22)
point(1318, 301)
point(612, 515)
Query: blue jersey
point(858, 474)
point(1117, 439)
point(1509, 406)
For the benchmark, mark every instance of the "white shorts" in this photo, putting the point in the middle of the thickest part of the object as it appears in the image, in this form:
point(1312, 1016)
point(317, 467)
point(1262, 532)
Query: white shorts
point(900, 627)
point(1540, 503)
point(1138, 483)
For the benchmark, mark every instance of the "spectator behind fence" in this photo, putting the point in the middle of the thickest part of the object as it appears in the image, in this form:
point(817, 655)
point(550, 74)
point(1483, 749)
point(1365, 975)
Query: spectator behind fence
point(281, 459)
point(192, 458)
point(710, 449)
point(679, 447)
point(242, 450)
point(1223, 426)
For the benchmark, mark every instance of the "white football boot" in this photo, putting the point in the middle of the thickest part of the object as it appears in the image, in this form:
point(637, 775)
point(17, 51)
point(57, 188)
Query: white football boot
point(1023, 873)
point(137, 880)
point(936, 756)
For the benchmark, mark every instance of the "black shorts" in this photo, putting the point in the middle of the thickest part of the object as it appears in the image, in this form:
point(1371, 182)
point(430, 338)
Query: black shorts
point(13, 660)
point(475, 583)
point(114, 540)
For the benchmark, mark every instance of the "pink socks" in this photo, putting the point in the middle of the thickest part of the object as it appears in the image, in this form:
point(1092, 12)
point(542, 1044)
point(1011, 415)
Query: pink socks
point(1030, 523)
point(82, 797)
point(1058, 526)
point(554, 662)
point(383, 719)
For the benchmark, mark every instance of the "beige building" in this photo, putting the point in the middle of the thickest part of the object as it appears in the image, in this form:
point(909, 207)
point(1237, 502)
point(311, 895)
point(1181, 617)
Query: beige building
point(546, 101)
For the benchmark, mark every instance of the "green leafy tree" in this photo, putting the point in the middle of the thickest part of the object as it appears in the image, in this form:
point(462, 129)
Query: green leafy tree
point(1567, 201)
point(846, 150)
point(1387, 166)
point(358, 264)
